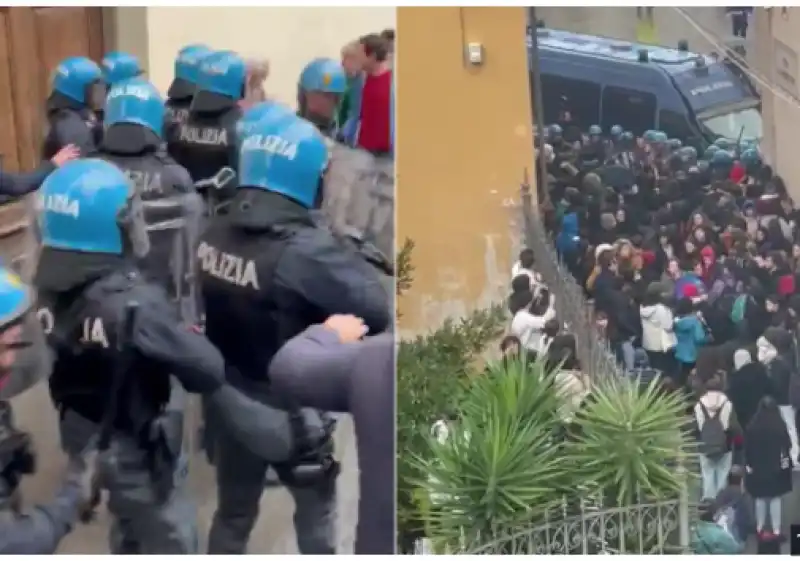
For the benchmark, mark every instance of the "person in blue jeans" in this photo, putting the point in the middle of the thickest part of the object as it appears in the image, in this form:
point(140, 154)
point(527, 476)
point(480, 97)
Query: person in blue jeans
point(691, 335)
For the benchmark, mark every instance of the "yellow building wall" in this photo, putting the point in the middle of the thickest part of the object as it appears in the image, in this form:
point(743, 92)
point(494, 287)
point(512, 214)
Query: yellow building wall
point(288, 37)
point(464, 145)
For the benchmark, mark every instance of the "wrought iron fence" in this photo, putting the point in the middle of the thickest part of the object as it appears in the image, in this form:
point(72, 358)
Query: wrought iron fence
point(588, 528)
point(571, 304)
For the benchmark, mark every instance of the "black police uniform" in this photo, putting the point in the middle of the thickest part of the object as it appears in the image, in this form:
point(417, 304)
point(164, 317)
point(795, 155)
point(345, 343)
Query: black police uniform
point(206, 141)
point(266, 273)
point(303, 276)
point(69, 122)
point(176, 113)
point(157, 177)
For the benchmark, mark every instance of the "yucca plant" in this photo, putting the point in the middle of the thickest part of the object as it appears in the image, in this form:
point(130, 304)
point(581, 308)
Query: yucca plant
point(519, 456)
point(630, 441)
point(501, 465)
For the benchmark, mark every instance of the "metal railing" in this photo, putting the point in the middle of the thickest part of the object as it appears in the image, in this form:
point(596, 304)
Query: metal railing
point(572, 307)
point(587, 527)
point(646, 528)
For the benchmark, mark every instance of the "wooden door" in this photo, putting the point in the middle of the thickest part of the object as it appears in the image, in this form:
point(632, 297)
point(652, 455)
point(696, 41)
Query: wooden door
point(32, 42)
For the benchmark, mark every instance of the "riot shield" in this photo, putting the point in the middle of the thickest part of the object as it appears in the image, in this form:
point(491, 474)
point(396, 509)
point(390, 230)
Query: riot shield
point(358, 196)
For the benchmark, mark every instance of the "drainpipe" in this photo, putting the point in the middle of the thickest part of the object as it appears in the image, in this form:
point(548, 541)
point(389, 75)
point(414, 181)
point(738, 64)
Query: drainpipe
point(537, 108)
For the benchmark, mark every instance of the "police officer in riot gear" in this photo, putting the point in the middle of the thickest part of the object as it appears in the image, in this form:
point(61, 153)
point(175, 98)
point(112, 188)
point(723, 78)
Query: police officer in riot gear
point(172, 209)
point(267, 272)
point(35, 531)
point(206, 142)
point(77, 96)
point(323, 83)
point(119, 66)
point(92, 225)
point(181, 90)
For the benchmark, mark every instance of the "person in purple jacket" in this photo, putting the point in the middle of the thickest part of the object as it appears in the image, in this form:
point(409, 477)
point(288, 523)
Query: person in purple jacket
point(334, 368)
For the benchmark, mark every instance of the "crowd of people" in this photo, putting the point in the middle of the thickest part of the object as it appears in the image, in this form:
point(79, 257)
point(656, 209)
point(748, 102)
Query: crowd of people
point(690, 261)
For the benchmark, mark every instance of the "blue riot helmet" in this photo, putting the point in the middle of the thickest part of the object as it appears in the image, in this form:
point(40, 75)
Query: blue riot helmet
point(595, 131)
point(286, 155)
point(723, 144)
point(708, 155)
point(751, 159)
point(721, 159)
point(616, 131)
point(259, 112)
point(220, 82)
point(16, 300)
point(89, 207)
point(134, 116)
point(119, 66)
point(674, 144)
point(660, 138)
point(322, 84)
point(627, 140)
point(555, 132)
point(688, 154)
point(187, 71)
point(649, 136)
point(79, 80)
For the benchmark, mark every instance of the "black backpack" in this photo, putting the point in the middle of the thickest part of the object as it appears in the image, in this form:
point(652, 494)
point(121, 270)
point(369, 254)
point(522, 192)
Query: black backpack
point(713, 437)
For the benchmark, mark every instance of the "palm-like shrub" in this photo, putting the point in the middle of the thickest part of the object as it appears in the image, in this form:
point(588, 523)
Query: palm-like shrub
point(513, 456)
point(630, 440)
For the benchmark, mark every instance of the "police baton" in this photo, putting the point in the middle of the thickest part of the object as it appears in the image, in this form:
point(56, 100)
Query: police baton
point(122, 366)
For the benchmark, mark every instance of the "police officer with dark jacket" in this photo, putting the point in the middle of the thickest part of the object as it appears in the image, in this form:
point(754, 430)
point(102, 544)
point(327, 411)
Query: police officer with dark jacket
point(77, 96)
point(92, 227)
point(172, 209)
point(267, 272)
point(206, 142)
point(19, 184)
point(181, 90)
point(38, 530)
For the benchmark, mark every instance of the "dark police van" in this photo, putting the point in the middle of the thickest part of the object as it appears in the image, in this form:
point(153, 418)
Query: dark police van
point(689, 96)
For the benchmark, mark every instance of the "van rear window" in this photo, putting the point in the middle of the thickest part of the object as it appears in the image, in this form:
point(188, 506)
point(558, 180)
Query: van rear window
point(580, 97)
point(635, 111)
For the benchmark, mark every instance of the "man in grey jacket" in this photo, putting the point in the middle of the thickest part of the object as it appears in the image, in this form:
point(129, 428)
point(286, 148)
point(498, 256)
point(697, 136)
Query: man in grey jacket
point(330, 367)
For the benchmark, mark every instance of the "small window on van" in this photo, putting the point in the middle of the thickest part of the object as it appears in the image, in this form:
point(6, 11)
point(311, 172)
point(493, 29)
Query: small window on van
point(675, 125)
point(635, 111)
point(580, 97)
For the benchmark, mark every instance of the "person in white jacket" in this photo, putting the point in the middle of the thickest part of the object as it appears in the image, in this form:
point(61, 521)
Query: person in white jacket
point(529, 322)
point(714, 471)
point(525, 267)
point(657, 335)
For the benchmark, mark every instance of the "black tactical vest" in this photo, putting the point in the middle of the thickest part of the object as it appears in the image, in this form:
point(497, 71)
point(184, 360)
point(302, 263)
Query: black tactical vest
point(206, 143)
point(82, 331)
point(243, 319)
point(153, 182)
